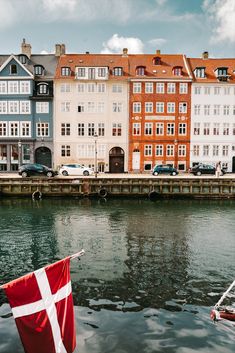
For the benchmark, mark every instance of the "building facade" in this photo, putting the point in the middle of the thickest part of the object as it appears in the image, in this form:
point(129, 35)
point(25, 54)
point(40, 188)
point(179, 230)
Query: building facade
point(213, 112)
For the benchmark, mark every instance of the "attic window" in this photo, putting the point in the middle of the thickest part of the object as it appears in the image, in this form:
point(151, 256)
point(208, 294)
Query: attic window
point(157, 61)
point(140, 70)
point(177, 70)
point(200, 72)
point(13, 69)
point(38, 70)
point(23, 59)
point(65, 71)
point(222, 73)
point(43, 88)
point(117, 71)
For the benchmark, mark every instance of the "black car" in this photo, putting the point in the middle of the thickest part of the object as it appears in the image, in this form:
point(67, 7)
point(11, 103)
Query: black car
point(201, 168)
point(164, 169)
point(27, 170)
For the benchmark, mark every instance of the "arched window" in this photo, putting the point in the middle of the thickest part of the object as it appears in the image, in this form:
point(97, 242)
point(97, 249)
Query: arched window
point(23, 58)
point(13, 69)
point(43, 88)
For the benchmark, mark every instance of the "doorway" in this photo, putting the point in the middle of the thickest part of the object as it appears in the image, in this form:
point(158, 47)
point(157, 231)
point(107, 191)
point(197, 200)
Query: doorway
point(43, 156)
point(116, 160)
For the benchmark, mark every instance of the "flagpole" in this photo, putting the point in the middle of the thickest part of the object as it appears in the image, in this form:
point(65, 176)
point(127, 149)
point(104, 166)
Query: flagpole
point(74, 256)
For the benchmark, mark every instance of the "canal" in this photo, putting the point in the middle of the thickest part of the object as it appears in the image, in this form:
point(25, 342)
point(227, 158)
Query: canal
point(150, 275)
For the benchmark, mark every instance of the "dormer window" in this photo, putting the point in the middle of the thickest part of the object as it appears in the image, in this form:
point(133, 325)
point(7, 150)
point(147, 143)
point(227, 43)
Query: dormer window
point(43, 88)
point(23, 58)
point(200, 72)
point(177, 71)
point(222, 73)
point(140, 70)
point(157, 61)
point(117, 71)
point(38, 70)
point(65, 71)
point(13, 69)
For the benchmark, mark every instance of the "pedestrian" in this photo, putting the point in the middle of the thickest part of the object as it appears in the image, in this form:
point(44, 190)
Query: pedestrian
point(218, 169)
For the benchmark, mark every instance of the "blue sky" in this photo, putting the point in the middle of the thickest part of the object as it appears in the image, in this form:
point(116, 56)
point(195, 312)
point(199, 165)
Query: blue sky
point(106, 26)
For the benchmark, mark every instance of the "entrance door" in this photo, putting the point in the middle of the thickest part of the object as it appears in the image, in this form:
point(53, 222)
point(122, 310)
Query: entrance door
point(43, 156)
point(136, 160)
point(116, 160)
point(233, 165)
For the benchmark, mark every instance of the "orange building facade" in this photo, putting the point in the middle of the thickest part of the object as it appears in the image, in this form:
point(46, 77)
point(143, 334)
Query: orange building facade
point(159, 111)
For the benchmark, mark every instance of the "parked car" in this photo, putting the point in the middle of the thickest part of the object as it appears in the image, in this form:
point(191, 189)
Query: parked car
point(30, 169)
point(164, 169)
point(75, 169)
point(202, 168)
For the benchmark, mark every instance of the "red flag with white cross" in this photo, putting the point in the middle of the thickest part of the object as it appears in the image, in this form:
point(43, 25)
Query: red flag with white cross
point(42, 305)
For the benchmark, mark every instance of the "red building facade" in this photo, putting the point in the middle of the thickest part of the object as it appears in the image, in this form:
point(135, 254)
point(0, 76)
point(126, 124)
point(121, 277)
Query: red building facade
point(160, 110)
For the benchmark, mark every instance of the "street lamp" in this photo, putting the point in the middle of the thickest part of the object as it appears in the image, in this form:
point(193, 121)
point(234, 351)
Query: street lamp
point(19, 153)
point(95, 136)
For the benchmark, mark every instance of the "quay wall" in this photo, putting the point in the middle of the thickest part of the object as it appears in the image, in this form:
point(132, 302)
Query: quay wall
point(153, 188)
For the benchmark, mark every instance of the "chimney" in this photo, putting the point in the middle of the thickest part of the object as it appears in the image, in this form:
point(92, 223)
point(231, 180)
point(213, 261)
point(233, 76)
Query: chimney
point(205, 55)
point(87, 53)
point(125, 51)
point(26, 48)
point(59, 49)
point(158, 52)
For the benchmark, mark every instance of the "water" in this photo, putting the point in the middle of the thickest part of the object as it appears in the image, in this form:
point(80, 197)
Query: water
point(151, 273)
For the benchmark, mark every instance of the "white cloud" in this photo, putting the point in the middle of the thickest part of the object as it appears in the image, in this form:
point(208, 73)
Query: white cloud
point(7, 14)
point(157, 41)
point(115, 45)
point(222, 16)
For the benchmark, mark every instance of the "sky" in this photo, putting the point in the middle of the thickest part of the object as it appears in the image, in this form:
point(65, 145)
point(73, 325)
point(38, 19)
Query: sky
point(188, 27)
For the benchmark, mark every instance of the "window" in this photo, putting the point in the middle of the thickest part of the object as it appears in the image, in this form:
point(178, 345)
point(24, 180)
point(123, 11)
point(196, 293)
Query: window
point(116, 129)
point(23, 59)
point(159, 129)
point(91, 107)
point(100, 129)
point(3, 107)
point(171, 88)
point(136, 87)
point(25, 129)
point(65, 71)
point(182, 150)
point(215, 150)
point(117, 88)
point(148, 150)
point(3, 129)
point(207, 90)
point(38, 70)
point(216, 129)
point(91, 87)
point(206, 129)
point(222, 71)
point(137, 107)
point(206, 149)
point(216, 90)
point(160, 88)
point(65, 107)
point(3, 87)
point(160, 107)
point(225, 150)
point(182, 107)
point(197, 90)
point(199, 72)
point(117, 71)
point(159, 150)
point(136, 129)
point(226, 129)
point(13, 69)
point(65, 151)
point(148, 107)
point(157, 61)
point(65, 87)
point(42, 129)
point(14, 129)
point(81, 72)
point(206, 109)
point(148, 87)
point(170, 128)
point(91, 129)
point(13, 87)
point(80, 87)
point(100, 107)
point(197, 109)
point(226, 90)
point(196, 129)
point(170, 150)
point(196, 150)
point(81, 107)
point(101, 87)
point(182, 128)
point(183, 88)
point(43, 88)
point(65, 129)
point(177, 71)
point(216, 109)
point(101, 72)
point(24, 87)
point(226, 109)
point(171, 107)
point(140, 70)
point(13, 107)
point(25, 107)
point(117, 107)
point(148, 128)
point(81, 129)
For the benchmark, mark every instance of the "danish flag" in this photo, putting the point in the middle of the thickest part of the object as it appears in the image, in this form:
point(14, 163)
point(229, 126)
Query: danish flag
point(42, 305)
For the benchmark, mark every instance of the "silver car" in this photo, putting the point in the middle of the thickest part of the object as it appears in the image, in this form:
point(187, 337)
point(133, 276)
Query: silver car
point(75, 169)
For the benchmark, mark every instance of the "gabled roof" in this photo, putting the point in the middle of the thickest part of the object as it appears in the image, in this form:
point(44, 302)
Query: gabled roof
point(13, 57)
point(211, 65)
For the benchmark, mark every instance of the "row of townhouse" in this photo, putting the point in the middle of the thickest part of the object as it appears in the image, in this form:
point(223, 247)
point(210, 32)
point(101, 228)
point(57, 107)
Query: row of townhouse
point(124, 112)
